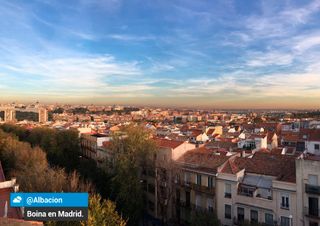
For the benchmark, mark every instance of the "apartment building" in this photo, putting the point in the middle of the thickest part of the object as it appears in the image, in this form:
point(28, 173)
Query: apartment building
point(313, 143)
point(157, 177)
point(194, 184)
point(258, 189)
point(92, 145)
point(308, 173)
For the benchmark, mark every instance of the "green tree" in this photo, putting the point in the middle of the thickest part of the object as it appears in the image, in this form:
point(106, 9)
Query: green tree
point(202, 218)
point(68, 149)
point(30, 167)
point(61, 146)
point(131, 152)
point(102, 212)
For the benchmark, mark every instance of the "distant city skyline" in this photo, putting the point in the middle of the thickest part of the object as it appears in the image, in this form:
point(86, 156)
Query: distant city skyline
point(214, 54)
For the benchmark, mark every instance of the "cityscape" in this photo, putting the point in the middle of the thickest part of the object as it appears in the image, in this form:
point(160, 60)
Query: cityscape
point(155, 113)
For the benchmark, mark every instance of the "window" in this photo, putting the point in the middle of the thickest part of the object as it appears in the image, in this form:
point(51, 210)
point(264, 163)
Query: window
point(285, 201)
point(254, 216)
point(313, 179)
point(177, 178)
point(187, 177)
point(164, 157)
point(210, 182)
point(313, 206)
point(198, 179)
point(210, 205)
point(285, 221)
point(240, 211)
point(187, 199)
point(316, 147)
point(268, 219)
point(227, 211)
point(227, 190)
point(247, 191)
point(144, 171)
point(151, 188)
point(198, 201)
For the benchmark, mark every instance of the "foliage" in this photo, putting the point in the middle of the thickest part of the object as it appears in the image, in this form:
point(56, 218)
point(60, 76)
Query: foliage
point(202, 218)
point(100, 212)
point(103, 212)
point(58, 110)
point(131, 153)
point(34, 172)
point(30, 116)
point(30, 167)
point(62, 150)
point(61, 146)
point(79, 110)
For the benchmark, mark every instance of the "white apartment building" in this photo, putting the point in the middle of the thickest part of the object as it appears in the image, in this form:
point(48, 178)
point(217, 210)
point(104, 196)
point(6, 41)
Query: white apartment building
point(258, 189)
point(308, 188)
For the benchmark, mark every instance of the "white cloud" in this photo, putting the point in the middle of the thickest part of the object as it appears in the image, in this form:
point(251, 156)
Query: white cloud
point(261, 59)
point(280, 24)
point(301, 14)
point(306, 42)
point(239, 85)
point(124, 37)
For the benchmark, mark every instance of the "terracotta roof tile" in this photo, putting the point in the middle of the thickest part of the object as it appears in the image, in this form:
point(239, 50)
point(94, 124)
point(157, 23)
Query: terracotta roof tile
point(280, 166)
point(165, 143)
point(203, 159)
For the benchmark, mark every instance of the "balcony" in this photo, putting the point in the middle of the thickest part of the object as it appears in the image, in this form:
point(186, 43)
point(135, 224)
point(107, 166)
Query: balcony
point(203, 189)
point(313, 189)
point(312, 212)
point(196, 187)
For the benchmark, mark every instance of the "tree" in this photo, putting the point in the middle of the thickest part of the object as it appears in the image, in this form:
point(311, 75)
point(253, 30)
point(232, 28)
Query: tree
point(30, 167)
point(68, 149)
point(58, 110)
point(102, 212)
point(204, 218)
point(61, 146)
point(130, 156)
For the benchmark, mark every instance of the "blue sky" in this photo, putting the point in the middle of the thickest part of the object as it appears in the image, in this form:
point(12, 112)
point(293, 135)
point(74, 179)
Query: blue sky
point(211, 53)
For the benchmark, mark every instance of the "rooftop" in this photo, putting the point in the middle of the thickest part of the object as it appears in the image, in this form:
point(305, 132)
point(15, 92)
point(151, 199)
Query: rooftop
point(280, 166)
point(203, 159)
point(165, 143)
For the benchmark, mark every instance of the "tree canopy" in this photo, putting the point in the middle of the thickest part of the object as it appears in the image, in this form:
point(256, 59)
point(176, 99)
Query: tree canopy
point(131, 153)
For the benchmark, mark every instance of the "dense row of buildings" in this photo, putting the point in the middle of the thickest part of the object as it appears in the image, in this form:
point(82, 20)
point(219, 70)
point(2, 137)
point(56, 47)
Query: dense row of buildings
point(265, 172)
point(235, 166)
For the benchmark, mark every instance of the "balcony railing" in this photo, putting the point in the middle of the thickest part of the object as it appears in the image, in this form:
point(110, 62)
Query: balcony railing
point(196, 187)
point(203, 189)
point(312, 212)
point(312, 189)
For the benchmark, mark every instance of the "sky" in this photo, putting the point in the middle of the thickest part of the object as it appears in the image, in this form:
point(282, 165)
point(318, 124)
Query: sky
point(194, 53)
